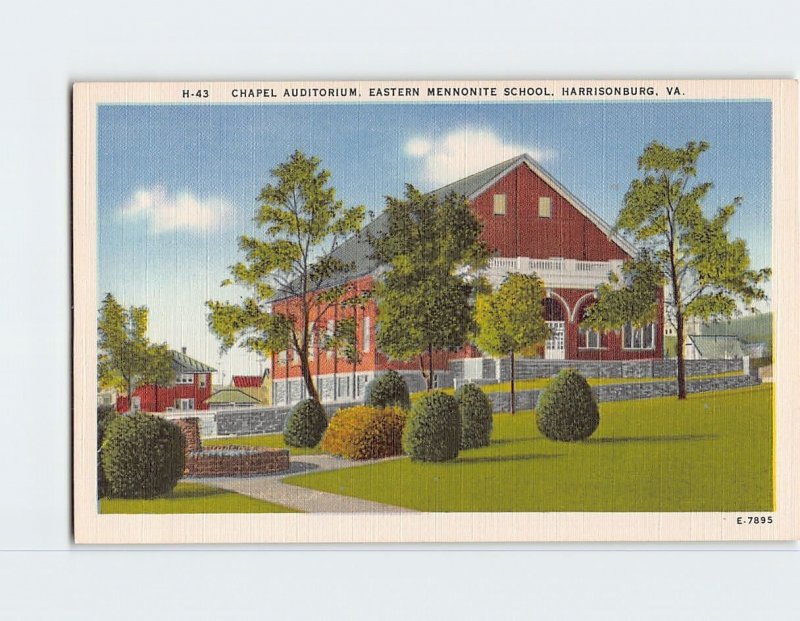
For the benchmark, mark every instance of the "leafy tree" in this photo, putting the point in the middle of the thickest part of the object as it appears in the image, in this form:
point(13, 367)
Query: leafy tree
point(303, 222)
point(707, 274)
point(511, 320)
point(126, 358)
point(426, 298)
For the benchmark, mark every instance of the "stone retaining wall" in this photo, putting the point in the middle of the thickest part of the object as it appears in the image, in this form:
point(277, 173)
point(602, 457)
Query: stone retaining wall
point(256, 421)
point(528, 368)
point(526, 399)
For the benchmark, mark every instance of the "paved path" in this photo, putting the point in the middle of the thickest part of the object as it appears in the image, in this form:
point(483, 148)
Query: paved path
point(272, 488)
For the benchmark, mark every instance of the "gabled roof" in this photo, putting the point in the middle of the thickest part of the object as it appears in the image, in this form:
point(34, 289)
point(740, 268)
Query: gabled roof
point(247, 381)
point(181, 363)
point(358, 251)
point(717, 346)
point(481, 181)
point(231, 395)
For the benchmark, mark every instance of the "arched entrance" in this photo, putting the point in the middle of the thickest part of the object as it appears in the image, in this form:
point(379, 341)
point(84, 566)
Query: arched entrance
point(555, 316)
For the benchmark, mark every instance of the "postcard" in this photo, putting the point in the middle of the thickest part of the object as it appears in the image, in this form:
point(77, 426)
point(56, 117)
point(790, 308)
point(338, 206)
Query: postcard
point(495, 311)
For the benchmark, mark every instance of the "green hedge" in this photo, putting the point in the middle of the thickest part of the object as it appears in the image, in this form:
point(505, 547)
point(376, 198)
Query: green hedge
point(305, 425)
point(567, 410)
point(142, 455)
point(433, 430)
point(476, 416)
point(387, 390)
point(105, 416)
point(365, 432)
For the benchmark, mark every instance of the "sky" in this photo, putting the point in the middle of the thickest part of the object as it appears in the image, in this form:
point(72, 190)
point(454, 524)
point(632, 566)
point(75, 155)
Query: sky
point(177, 184)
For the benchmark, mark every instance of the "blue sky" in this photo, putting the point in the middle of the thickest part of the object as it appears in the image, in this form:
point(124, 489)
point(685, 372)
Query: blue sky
point(177, 184)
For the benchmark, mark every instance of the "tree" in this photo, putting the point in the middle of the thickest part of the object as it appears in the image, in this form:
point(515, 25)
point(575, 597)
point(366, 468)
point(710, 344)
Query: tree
point(426, 299)
point(125, 357)
point(707, 274)
point(290, 267)
point(511, 320)
point(344, 339)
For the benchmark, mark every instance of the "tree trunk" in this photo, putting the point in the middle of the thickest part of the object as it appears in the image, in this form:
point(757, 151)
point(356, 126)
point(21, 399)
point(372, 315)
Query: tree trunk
point(679, 329)
point(513, 376)
point(311, 389)
point(430, 366)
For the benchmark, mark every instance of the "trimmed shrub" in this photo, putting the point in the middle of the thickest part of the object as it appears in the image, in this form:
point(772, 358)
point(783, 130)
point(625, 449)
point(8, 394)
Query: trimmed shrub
point(365, 432)
point(142, 456)
point(567, 410)
point(433, 430)
point(476, 416)
point(387, 390)
point(305, 425)
point(105, 416)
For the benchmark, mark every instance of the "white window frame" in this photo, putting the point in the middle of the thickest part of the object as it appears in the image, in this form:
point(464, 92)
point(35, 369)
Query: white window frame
point(283, 357)
point(587, 336)
point(185, 379)
point(330, 332)
point(203, 380)
point(312, 341)
point(366, 343)
point(545, 207)
point(499, 204)
point(634, 338)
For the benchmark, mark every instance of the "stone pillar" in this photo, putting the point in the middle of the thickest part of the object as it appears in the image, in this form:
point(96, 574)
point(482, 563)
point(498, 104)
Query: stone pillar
point(191, 431)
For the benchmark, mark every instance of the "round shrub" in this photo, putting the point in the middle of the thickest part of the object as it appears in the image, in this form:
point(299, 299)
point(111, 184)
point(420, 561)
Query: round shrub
point(306, 424)
point(365, 432)
point(142, 456)
point(566, 409)
point(433, 430)
point(387, 390)
point(476, 416)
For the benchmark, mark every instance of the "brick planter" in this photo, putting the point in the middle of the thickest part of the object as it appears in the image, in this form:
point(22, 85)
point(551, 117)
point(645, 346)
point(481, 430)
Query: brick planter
point(236, 461)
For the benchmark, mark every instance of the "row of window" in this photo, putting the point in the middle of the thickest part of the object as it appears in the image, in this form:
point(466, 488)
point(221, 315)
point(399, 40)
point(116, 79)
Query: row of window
point(366, 341)
point(545, 206)
point(188, 378)
point(632, 338)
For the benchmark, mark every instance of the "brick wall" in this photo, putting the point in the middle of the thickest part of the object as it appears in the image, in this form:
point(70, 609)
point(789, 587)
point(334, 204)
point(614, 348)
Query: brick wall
point(233, 461)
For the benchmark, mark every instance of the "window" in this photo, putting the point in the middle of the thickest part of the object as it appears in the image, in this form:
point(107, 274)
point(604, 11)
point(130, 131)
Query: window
point(329, 333)
point(282, 357)
point(499, 204)
point(638, 338)
point(312, 340)
point(203, 379)
point(365, 337)
point(185, 378)
point(590, 339)
point(545, 207)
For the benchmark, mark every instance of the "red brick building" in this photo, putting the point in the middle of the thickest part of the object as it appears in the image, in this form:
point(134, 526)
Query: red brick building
point(190, 390)
point(532, 224)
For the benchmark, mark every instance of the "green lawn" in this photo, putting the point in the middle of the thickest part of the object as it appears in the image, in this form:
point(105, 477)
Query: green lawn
point(192, 498)
point(711, 452)
point(273, 440)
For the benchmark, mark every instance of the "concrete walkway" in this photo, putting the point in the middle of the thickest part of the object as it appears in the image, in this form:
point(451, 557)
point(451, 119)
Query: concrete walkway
point(272, 488)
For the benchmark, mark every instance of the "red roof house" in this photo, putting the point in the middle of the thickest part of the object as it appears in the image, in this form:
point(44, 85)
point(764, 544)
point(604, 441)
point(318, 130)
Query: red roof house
point(189, 391)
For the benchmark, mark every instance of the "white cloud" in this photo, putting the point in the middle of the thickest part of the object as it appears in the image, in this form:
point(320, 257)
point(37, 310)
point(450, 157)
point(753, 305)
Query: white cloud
point(464, 152)
point(179, 211)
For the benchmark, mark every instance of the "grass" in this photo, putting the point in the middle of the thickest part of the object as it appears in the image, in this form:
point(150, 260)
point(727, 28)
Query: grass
point(273, 440)
point(711, 452)
point(193, 498)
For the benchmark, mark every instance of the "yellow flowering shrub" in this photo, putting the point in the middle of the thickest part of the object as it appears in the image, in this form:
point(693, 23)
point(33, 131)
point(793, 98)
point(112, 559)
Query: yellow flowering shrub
point(365, 432)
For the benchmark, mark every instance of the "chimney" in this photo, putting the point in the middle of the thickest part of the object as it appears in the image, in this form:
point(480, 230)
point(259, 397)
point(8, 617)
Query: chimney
point(183, 350)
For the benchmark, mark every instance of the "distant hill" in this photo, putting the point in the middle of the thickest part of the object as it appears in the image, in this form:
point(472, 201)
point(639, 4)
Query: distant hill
point(750, 328)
